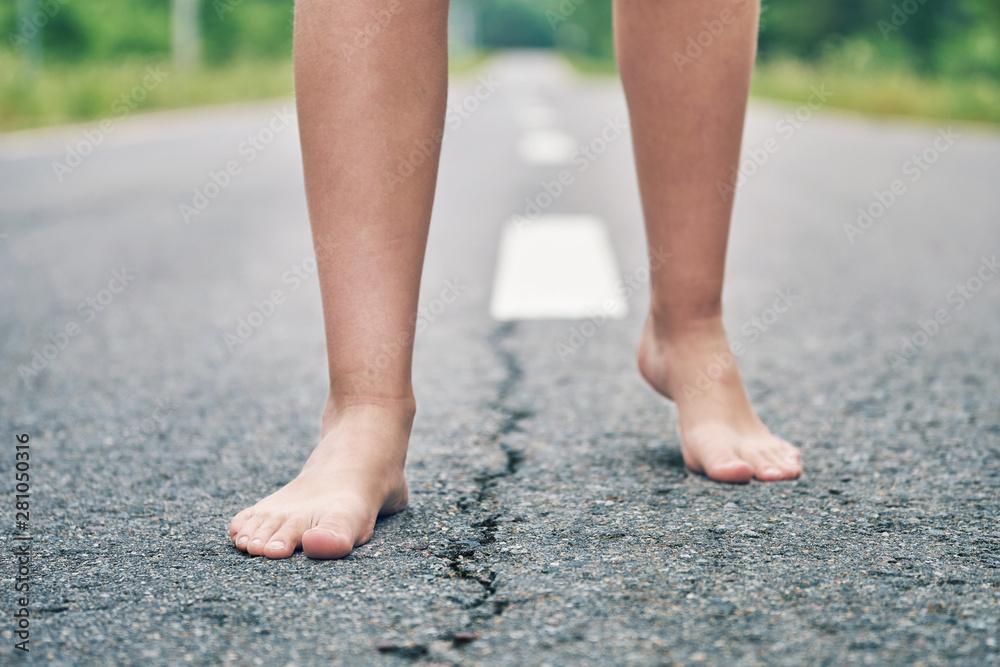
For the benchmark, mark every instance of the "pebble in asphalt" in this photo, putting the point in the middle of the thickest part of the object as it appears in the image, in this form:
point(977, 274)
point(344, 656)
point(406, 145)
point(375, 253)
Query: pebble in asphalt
point(552, 520)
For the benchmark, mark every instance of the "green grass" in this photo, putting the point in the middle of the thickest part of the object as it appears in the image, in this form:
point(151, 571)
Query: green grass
point(69, 93)
point(593, 66)
point(467, 62)
point(886, 92)
point(874, 91)
point(65, 93)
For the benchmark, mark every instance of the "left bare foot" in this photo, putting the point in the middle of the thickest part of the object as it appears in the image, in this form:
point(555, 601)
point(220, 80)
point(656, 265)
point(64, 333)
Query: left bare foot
point(721, 435)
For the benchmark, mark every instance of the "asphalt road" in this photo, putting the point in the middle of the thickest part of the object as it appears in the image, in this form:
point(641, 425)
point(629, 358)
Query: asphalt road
point(552, 520)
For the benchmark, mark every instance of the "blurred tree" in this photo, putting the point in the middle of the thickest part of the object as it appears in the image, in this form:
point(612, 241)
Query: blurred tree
point(186, 33)
point(968, 42)
point(29, 40)
point(949, 37)
point(513, 23)
point(234, 29)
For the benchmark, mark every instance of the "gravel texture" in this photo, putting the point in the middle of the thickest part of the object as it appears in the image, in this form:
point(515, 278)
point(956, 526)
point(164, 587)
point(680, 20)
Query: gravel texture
point(552, 520)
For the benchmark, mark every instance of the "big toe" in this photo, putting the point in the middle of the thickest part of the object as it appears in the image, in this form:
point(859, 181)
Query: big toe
point(722, 465)
point(733, 470)
point(330, 539)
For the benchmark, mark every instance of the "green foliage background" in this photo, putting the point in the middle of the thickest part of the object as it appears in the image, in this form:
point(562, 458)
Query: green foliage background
point(925, 57)
point(948, 37)
point(109, 30)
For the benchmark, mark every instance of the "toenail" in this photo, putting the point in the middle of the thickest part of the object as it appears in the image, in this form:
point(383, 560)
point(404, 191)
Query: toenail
point(256, 543)
point(242, 540)
point(325, 530)
point(275, 544)
point(772, 472)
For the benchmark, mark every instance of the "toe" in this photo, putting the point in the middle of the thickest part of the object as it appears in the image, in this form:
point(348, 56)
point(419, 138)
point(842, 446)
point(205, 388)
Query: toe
point(765, 468)
point(250, 526)
point(785, 458)
point(769, 473)
point(282, 544)
point(772, 463)
point(238, 522)
point(263, 534)
point(793, 460)
point(733, 471)
point(332, 538)
point(722, 465)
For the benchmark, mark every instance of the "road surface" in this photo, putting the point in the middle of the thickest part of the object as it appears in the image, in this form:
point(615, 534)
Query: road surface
point(162, 346)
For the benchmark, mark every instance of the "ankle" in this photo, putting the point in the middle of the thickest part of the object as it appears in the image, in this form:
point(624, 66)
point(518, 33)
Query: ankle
point(397, 408)
point(678, 330)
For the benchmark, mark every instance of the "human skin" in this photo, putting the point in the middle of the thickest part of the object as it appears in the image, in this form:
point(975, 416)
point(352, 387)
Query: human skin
point(687, 125)
point(360, 110)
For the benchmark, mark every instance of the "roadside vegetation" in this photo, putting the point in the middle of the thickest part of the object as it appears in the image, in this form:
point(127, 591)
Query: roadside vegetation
point(74, 61)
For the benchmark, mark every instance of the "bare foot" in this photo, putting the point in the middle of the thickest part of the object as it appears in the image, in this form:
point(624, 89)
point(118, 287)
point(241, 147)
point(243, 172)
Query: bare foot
point(721, 435)
point(353, 476)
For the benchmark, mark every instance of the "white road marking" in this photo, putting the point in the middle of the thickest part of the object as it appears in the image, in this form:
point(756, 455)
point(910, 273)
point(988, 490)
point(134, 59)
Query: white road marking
point(536, 115)
point(557, 267)
point(546, 147)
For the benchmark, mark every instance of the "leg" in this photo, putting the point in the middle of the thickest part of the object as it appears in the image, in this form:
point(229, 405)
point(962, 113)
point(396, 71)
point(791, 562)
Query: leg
point(687, 124)
point(361, 108)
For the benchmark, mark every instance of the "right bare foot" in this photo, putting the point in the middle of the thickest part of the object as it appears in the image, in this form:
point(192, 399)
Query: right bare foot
point(353, 476)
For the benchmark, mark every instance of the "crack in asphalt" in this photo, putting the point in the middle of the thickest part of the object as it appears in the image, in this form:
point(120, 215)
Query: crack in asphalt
point(460, 554)
point(506, 419)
